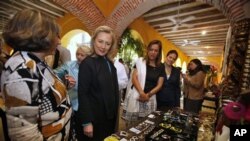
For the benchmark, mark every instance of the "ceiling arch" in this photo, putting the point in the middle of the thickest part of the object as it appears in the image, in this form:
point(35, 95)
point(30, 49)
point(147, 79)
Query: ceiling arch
point(124, 13)
point(85, 10)
point(232, 9)
point(127, 11)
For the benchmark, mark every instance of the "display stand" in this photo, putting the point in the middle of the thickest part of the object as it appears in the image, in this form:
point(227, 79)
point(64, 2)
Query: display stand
point(235, 86)
point(170, 125)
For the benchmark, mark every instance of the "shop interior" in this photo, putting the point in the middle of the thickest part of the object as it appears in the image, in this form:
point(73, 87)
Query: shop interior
point(217, 32)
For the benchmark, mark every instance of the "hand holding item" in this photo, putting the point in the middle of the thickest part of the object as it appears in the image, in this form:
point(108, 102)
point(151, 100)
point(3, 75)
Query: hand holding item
point(184, 76)
point(88, 130)
point(70, 81)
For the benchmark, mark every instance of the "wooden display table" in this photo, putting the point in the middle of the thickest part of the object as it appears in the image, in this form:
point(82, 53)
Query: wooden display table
point(159, 126)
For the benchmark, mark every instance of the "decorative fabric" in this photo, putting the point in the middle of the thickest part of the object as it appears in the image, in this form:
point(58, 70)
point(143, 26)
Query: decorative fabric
point(37, 103)
point(133, 108)
point(234, 111)
point(121, 74)
point(72, 68)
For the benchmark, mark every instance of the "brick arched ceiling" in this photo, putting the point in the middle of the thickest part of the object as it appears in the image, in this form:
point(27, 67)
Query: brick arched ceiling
point(215, 15)
point(106, 6)
point(128, 10)
point(125, 12)
point(85, 10)
point(232, 9)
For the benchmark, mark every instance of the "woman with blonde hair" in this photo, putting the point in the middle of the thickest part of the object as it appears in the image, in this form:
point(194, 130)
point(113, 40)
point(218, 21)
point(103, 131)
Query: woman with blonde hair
point(68, 72)
point(98, 93)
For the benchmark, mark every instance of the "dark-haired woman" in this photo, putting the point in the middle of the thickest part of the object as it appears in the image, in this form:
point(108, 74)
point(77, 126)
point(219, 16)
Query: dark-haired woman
point(147, 79)
point(194, 86)
point(169, 96)
point(36, 100)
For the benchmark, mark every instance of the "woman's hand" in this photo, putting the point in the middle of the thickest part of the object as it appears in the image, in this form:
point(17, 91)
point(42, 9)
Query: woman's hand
point(185, 77)
point(71, 82)
point(143, 97)
point(88, 130)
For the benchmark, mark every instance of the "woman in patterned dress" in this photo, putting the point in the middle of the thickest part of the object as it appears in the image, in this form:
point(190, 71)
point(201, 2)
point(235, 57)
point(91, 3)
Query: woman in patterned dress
point(36, 101)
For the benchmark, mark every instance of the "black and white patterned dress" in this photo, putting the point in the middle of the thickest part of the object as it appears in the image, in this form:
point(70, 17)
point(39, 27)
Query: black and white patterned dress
point(36, 100)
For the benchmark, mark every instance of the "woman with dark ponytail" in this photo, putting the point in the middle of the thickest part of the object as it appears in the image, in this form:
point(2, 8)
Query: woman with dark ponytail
point(194, 86)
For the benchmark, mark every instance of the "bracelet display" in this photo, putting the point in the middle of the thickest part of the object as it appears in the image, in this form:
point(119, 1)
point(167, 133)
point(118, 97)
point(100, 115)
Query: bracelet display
point(170, 125)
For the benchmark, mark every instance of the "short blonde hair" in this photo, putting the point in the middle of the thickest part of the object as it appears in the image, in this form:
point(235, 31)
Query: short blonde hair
point(84, 48)
point(110, 31)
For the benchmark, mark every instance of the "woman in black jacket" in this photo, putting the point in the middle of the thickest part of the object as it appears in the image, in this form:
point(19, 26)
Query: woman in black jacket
point(98, 89)
point(169, 96)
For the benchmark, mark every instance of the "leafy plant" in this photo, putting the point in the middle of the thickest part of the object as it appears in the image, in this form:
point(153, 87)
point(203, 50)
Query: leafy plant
point(130, 47)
